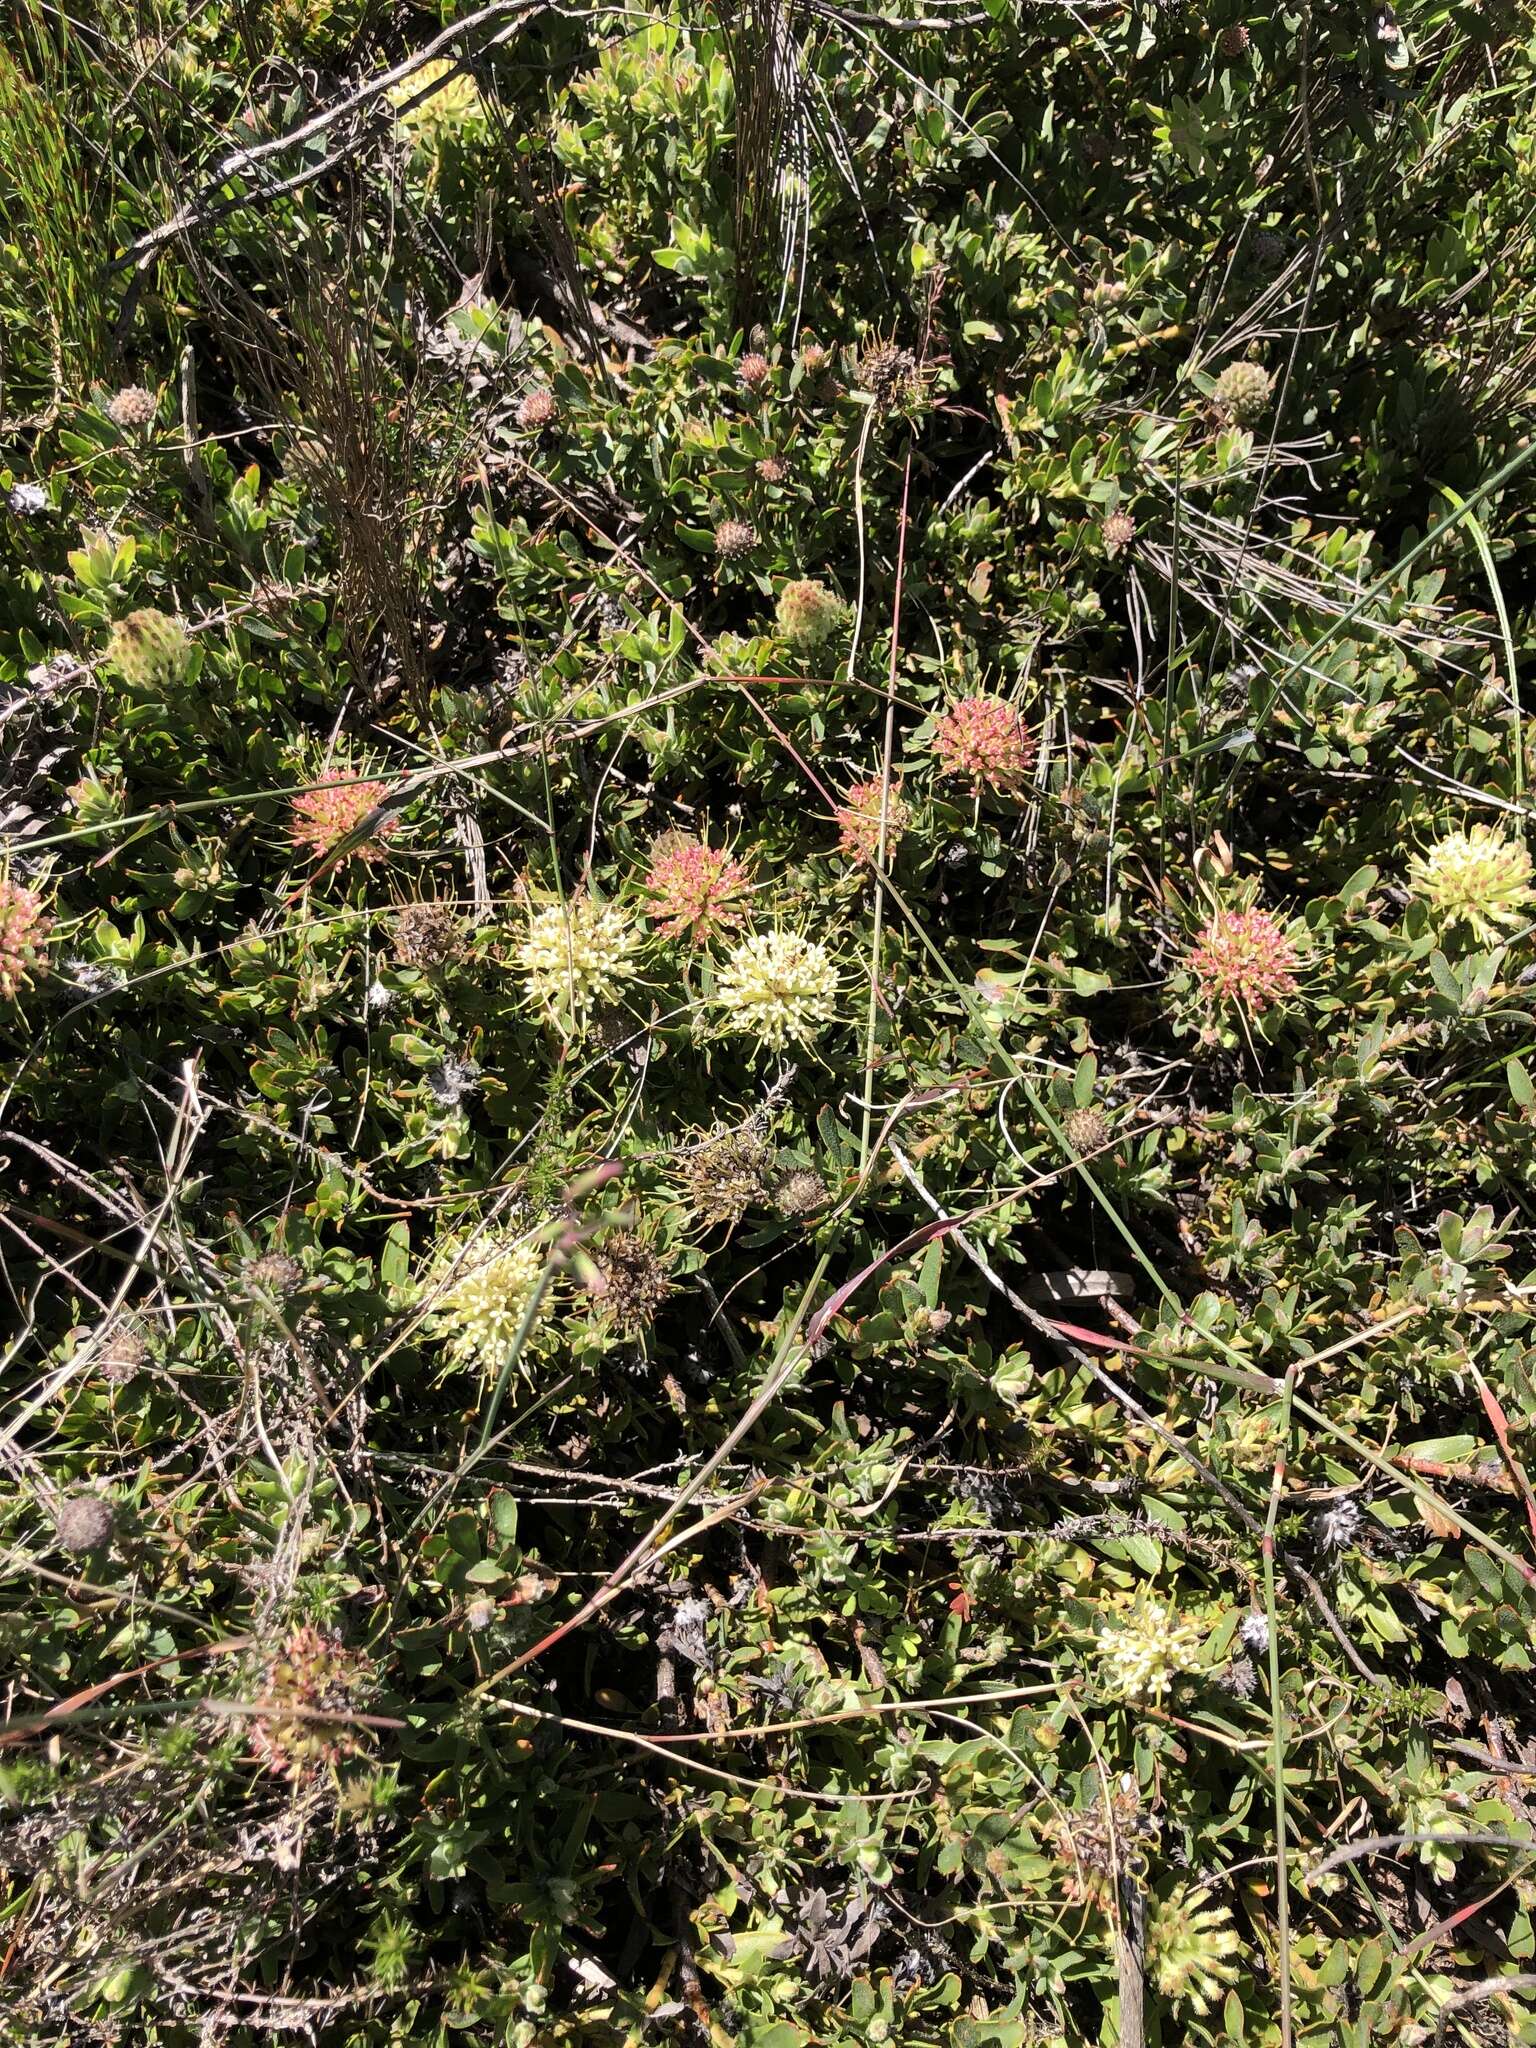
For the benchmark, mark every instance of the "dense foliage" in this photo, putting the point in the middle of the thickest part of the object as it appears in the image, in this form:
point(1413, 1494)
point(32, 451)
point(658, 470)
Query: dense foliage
point(766, 1006)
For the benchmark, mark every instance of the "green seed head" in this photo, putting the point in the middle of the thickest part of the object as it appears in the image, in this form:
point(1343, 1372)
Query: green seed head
point(808, 614)
point(1242, 392)
point(149, 647)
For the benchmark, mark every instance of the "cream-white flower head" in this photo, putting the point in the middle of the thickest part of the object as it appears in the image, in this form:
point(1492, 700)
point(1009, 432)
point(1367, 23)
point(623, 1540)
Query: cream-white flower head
point(1476, 877)
point(1139, 1659)
point(575, 956)
point(482, 1309)
point(777, 986)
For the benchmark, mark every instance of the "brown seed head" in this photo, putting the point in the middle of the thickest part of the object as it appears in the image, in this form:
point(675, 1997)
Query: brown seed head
point(801, 1193)
point(538, 410)
point(307, 1692)
point(124, 1352)
point(1117, 532)
point(274, 1276)
point(1088, 1130)
point(84, 1522)
point(132, 409)
point(734, 539)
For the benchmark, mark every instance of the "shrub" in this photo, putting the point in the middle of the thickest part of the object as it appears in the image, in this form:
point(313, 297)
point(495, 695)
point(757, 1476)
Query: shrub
point(766, 989)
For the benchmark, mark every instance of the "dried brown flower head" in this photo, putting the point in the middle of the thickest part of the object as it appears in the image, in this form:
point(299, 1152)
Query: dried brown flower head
point(428, 935)
point(308, 1690)
point(889, 374)
point(731, 1172)
point(635, 1280)
point(1098, 1841)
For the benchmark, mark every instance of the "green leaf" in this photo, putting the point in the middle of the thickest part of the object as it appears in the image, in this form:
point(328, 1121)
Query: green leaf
point(1445, 979)
point(1445, 1450)
point(929, 1273)
point(395, 1258)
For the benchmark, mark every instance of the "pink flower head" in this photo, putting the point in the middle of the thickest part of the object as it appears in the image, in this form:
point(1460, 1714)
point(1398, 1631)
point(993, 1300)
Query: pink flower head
point(985, 740)
point(696, 888)
point(323, 817)
point(858, 820)
point(1244, 957)
point(23, 932)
